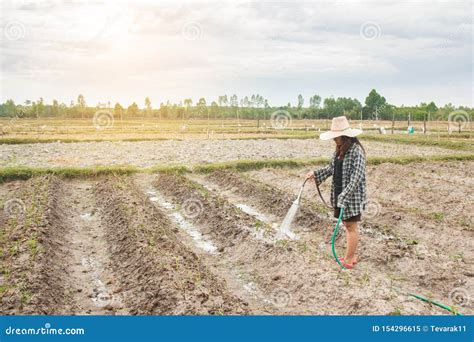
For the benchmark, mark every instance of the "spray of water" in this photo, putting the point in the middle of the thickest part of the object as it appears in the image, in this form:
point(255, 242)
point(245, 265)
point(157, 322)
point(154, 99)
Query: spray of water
point(285, 227)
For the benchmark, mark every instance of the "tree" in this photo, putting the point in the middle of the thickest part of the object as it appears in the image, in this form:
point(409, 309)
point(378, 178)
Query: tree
point(315, 101)
point(266, 106)
point(202, 107)
point(330, 107)
point(246, 102)
point(10, 108)
point(214, 109)
point(220, 100)
point(81, 102)
point(55, 109)
point(187, 104)
point(223, 100)
point(148, 105)
point(259, 100)
point(431, 107)
point(133, 109)
point(118, 110)
point(234, 102)
point(374, 104)
point(300, 101)
point(39, 107)
point(341, 106)
point(163, 110)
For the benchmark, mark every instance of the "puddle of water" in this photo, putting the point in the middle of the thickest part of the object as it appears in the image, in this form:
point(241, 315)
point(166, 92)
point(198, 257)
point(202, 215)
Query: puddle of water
point(101, 296)
point(199, 240)
point(259, 234)
point(250, 287)
point(87, 217)
point(252, 212)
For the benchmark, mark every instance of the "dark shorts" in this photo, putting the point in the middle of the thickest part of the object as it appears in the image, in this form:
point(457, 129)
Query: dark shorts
point(356, 218)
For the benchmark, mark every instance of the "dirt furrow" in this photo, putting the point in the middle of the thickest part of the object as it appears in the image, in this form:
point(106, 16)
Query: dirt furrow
point(158, 273)
point(33, 278)
point(96, 288)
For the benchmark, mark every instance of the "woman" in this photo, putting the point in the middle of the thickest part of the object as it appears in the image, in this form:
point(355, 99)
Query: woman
point(348, 190)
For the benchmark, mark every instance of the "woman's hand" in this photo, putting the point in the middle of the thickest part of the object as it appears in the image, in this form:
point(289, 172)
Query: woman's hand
point(310, 175)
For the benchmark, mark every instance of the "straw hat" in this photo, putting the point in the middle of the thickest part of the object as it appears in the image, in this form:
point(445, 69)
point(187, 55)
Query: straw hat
point(340, 126)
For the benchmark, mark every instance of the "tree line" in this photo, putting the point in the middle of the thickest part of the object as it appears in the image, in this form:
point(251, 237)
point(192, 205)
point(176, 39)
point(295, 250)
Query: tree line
point(255, 106)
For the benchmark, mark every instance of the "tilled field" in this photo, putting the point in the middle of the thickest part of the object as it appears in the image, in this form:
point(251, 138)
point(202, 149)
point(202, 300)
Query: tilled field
point(207, 244)
point(189, 152)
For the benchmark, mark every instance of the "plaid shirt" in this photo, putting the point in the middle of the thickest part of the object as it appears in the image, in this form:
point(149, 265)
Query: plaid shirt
point(354, 194)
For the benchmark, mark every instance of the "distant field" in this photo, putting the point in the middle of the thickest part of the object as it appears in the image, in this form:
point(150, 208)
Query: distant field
point(44, 130)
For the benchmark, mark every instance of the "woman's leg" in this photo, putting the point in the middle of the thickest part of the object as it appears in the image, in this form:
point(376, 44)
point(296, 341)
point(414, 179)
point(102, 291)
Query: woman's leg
point(352, 238)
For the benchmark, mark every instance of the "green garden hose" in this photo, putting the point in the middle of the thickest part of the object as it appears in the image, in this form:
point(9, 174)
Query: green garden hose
point(424, 299)
point(333, 241)
point(442, 306)
point(336, 230)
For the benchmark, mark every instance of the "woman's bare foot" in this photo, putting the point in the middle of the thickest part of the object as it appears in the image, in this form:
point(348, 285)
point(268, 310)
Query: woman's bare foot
point(351, 261)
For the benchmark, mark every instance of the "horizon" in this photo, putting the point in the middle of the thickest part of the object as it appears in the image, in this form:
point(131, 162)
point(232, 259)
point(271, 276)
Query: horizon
point(141, 104)
point(124, 51)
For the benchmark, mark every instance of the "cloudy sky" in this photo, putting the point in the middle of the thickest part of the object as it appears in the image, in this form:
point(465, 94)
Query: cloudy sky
point(410, 51)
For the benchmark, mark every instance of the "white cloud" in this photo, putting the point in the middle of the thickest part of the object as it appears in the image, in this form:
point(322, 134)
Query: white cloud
point(126, 50)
